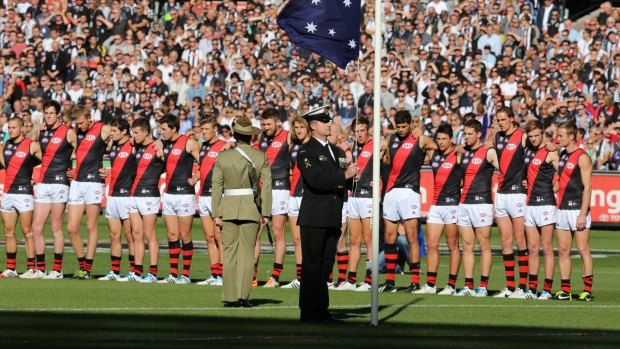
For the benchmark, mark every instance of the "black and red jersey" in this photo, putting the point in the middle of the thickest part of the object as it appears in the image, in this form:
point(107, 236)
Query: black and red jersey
point(179, 166)
point(149, 168)
point(123, 170)
point(19, 164)
point(277, 152)
point(407, 159)
point(208, 154)
point(510, 156)
point(56, 159)
point(296, 182)
point(477, 176)
point(364, 154)
point(570, 193)
point(447, 176)
point(89, 155)
point(539, 178)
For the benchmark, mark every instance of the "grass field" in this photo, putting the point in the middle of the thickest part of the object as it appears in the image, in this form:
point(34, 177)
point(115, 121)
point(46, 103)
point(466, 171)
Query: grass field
point(68, 313)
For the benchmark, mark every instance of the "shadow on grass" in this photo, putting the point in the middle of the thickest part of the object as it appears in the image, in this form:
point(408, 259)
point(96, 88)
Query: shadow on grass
point(244, 329)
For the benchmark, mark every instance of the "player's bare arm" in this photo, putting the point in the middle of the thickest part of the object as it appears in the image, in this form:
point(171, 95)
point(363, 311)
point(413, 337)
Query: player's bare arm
point(585, 164)
point(492, 158)
point(35, 150)
point(105, 133)
point(193, 148)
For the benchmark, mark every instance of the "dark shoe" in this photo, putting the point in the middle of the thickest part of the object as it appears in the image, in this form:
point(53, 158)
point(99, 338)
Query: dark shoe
point(244, 303)
point(329, 320)
point(231, 304)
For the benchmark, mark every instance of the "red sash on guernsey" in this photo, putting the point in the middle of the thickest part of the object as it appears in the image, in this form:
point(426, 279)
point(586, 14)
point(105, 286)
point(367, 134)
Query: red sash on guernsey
point(16, 162)
point(567, 172)
point(52, 148)
point(82, 151)
point(143, 165)
point(209, 161)
point(295, 179)
point(277, 143)
point(473, 167)
point(119, 163)
point(533, 169)
point(442, 175)
point(362, 161)
point(399, 160)
point(508, 154)
point(173, 158)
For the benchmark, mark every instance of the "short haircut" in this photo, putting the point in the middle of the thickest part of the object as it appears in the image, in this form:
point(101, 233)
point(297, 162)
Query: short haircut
point(533, 125)
point(475, 124)
point(17, 119)
point(143, 124)
point(508, 111)
point(362, 120)
point(170, 120)
point(444, 129)
point(80, 111)
point(570, 127)
point(402, 117)
point(270, 113)
point(208, 120)
point(52, 103)
point(122, 124)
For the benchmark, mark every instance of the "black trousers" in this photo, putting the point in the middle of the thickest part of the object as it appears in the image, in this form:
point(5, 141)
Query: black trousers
point(318, 248)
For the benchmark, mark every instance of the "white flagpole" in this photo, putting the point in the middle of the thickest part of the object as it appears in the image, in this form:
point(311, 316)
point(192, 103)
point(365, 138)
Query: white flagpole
point(376, 165)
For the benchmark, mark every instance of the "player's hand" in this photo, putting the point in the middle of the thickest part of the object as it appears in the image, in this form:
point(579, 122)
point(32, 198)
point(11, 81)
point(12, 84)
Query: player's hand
point(158, 145)
point(524, 184)
point(264, 220)
point(417, 132)
point(104, 172)
point(70, 173)
point(229, 145)
point(459, 149)
point(551, 147)
point(352, 171)
point(581, 222)
point(218, 221)
point(192, 181)
point(132, 141)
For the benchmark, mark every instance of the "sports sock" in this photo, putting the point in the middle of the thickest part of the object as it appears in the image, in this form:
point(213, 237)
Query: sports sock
point(11, 262)
point(533, 283)
point(391, 258)
point(565, 284)
point(30, 263)
point(138, 269)
point(509, 267)
point(174, 250)
point(431, 279)
point(484, 281)
point(469, 283)
point(276, 271)
point(548, 285)
point(523, 268)
point(132, 262)
point(415, 273)
point(298, 271)
point(88, 265)
point(368, 277)
point(116, 264)
point(153, 270)
point(342, 258)
point(220, 269)
point(81, 261)
point(188, 253)
point(57, 262)
point(587, 283)
point(452, 280)
point(352, 278)
point(330, 279)
point(41, 262)
point(214, 268)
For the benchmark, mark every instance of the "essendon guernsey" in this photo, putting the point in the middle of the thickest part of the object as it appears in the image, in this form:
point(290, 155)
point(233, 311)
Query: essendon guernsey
point(510, 154)
point(364, 155)
point(539, 178)
point(123, 170)
point(447, 176)
point(149, 168)
point(19, 163)
point(89, 155)
point(208, 155)
point(277, 152)
point(407, 158)
point(570, 191)
point(296, 182)
point(179, 166)
point(57, 153)
point(477, 176)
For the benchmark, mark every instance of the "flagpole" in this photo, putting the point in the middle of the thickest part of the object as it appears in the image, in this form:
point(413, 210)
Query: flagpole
point(376, 165)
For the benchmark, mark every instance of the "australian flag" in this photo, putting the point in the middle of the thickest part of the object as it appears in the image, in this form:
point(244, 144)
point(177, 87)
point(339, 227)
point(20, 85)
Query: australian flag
point(329, 28)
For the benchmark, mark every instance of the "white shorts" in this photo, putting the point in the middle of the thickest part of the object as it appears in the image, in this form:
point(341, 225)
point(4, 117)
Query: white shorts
point(510, 205)
point(475, 215)
point(179, 204)
point(294, 203)
point(145, 205)
point(117, 207)
point(539, 216)
point(443, 214)
point(360, 208)
point(86, 193)
point(401, 203)
point(204, 204)
point(279, 203)
point(17, 203)
point(567, 220)
point(345, 212)
point(48, 193)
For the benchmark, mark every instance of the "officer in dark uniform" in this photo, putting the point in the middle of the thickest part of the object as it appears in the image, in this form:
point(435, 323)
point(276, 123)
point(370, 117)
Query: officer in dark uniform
point(326, 178)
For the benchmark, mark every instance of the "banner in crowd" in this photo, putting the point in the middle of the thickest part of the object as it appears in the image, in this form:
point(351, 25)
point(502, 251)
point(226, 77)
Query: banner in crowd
point(604, 206)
